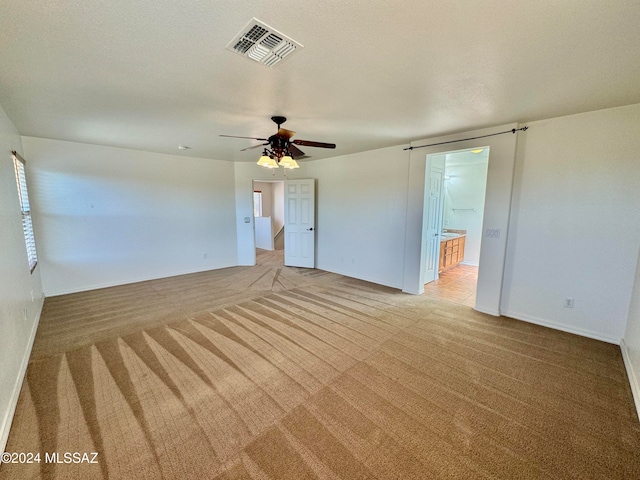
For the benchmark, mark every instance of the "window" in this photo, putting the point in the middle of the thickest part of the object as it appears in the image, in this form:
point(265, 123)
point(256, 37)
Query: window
point(257, 203)
point(27, 226)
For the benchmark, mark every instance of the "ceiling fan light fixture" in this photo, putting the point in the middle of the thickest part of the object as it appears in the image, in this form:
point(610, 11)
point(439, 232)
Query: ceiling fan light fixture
point(288, 162)
point(264, 160)
point(271, 163)
point(281, 148)
point(478, 150)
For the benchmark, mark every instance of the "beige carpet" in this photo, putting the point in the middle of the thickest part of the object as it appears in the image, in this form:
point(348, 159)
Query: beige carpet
point(271, 372)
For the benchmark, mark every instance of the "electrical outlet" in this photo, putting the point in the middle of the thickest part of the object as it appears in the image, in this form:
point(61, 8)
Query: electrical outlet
point(204, 256)
point(568, 303)
point(24, 312)
point(247, 219)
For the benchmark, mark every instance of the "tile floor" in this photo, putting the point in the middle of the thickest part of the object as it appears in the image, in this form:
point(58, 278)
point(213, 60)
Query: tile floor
point(456, 285)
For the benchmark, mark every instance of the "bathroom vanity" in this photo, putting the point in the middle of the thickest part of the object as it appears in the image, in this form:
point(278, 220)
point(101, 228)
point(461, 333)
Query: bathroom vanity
point(451, 248)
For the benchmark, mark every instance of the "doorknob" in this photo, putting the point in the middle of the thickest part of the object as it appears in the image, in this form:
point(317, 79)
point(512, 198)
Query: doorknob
point(310, 229)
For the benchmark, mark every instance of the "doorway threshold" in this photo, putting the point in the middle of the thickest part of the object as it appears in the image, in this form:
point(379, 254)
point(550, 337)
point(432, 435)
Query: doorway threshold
point(456, 285)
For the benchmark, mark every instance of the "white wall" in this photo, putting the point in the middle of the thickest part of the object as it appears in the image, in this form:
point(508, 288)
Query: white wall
point(575, 229)
point(278, 206)
point(20, 291)
point(272, 202)
point(465, 189)
point(264, 233)
point(109, 216)
point(631, 343)
point(361, 214)
point(267, 197)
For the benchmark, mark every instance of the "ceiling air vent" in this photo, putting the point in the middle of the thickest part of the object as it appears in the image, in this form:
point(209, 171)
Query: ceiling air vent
point(263, 44)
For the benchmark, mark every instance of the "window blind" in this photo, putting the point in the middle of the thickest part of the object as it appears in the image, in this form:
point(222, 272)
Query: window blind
point(257, 203)
point(25, 209)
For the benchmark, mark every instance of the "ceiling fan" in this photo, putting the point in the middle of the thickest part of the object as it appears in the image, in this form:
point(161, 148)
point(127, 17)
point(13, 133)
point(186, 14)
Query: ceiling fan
point(281, 148)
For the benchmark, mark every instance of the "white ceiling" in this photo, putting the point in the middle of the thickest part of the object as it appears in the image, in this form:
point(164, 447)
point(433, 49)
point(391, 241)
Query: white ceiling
point(155, 74)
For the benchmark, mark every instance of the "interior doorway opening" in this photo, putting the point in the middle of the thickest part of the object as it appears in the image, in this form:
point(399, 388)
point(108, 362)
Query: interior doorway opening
point(268, 221)
point(454, 200)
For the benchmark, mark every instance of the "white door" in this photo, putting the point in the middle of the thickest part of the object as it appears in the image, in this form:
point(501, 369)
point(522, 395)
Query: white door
point(299, 223)
point(435, 177)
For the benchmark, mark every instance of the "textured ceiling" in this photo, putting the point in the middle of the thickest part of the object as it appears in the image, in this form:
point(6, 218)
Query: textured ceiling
point(155, 74)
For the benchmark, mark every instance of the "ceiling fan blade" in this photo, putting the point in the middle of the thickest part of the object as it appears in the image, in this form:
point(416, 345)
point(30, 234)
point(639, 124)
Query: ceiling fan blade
point(251, 138)
point(295, 151)
point(283, 132)
point(309, 143)
point(255, 146)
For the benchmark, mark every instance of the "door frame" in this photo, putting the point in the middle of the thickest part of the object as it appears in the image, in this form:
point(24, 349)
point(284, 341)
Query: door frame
point(497, 211)
point(253, 221)
point(440, 213)
point(300, 232)
point(250, 246)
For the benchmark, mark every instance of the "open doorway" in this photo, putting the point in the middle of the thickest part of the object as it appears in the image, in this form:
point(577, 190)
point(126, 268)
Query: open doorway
point(456, 188)
point(268, 213)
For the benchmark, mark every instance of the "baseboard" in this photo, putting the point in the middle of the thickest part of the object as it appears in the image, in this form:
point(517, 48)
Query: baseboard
point(119, 283)
point(5, 426)
point(633, 379)
point(471, 264)
point(413, 292)
point(564, 328)
point(364, 278)
point(488, 311)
